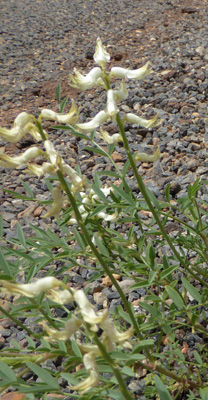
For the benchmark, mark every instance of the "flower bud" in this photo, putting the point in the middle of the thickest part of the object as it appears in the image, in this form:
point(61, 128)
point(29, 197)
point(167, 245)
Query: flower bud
point(101, 57)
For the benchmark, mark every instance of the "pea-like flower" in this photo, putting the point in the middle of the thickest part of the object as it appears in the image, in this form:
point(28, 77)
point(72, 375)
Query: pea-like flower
point(71, 326)
point(52, 153)
point(13, 162)
point(78, 183)
point(111, 333)
point(115, 138)
point(89, 315)
point(111, 108)
point(135, 119)
point(40, 170)
point(22, 126)
point(57, 205)
point(90, 126)
point(148, 157)
point(101, 56)
point(61, 296)
point(93, 379)
point(89, 81)
point(32, 289)
point(121, 93)
point(136, 74)
point(70, 118)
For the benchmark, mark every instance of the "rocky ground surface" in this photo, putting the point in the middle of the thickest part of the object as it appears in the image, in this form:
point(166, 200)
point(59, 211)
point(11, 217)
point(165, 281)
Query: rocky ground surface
point(42, 41)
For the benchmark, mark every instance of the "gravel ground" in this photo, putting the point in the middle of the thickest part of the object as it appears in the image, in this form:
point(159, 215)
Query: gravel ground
point(42, 41)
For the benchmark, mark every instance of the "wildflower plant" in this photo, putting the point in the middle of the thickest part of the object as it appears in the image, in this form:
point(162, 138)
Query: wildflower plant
point(88, 343)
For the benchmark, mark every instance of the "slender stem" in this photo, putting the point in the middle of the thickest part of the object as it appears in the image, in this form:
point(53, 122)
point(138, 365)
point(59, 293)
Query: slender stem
point(142, 189)
point(97, 254)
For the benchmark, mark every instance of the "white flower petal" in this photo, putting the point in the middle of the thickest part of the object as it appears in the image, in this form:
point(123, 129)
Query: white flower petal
point(136, 74)
point(101, 56)
point(88, 313)
point(148, 157)
point(85, 82)
point(135, 119)
point(111, 108)
point(13, 162)
point(89, 126)
point(32, 289)
point(57, 205)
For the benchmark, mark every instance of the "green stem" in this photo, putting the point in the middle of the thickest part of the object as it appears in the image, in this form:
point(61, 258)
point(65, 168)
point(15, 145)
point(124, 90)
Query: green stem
point(144, 193)
point(97, 254)
point(116, 371)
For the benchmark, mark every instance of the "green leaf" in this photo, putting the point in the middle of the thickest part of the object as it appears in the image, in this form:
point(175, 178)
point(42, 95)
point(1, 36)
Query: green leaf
point(20, 235)
point(151, 309)
point(168, 271)
point(198, 357)
point(28, 189)
point(95, 150)
point(63, 104)
point(192, 290)
point(142, 345)
point(4, 265)
point(127, 371)
point(101, 247)
point(44, 375)
point(58, 93)
point(175, 296)
point(162, 391)
point(7, 376)
point(73, 131)
point(80, 239)
point(76, 349)
point(125, 196)
point(111, 148)
point(1, 226)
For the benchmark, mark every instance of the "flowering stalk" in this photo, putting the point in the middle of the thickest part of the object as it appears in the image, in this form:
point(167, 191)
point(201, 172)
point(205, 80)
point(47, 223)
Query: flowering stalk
point(108, 272)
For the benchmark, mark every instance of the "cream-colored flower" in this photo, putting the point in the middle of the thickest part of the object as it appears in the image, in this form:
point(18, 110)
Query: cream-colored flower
point(121, 93)
point(13, 162)
point(70, 118)
point(111, 108)
point(40, 170)
point(89, 348)
point(52, 153)
point(111, 334)
point(93, 379)
point(89, 81)
point(78, 183)
point(32, 289)
point(22, 126)
point(135, 119)
point(90, 126)
point(101, 56)
point(115, 138)
point(61, 296)
point(108, 217)
point(88, 313)
point(148, 157)
point(136, 74)
point(57, 205)
point(71, 326)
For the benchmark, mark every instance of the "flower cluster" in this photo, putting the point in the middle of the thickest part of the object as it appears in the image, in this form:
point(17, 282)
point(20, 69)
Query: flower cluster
point(84, 316)
point(27, 124)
